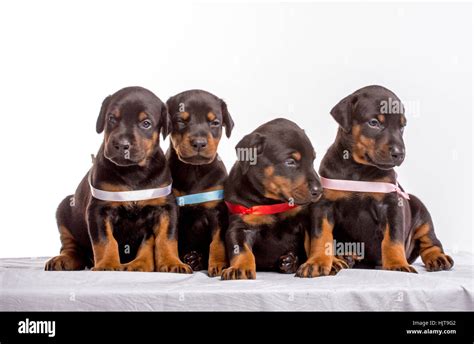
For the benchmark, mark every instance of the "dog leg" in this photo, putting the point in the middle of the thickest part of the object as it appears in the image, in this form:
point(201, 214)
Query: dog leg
point(106, 252)
point(431, 250)
point(393, 254)
point(217, 255)
point(166, 248)
point(320, 256)
point(424, 242)
point(242, 265)
point(70, 257)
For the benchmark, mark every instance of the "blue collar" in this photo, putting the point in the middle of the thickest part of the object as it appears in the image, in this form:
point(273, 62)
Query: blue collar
point(202, 197)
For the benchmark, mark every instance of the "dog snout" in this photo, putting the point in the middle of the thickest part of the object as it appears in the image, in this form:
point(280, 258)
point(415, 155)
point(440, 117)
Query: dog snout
point(315, 187)
point(316, 191)
point(122, 144)
point(397, 154)
point(199, 143)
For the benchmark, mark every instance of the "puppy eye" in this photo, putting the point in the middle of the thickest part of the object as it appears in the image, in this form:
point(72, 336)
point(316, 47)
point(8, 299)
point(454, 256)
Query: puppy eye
point(290, 162)
point(146, 124)
point(374, 123)
point(112, 119)
point(181, 123)
point(215, 123)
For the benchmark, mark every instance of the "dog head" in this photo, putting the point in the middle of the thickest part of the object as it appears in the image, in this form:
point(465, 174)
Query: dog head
point(197, 119)
point(278, 160)
point(132, 119)
point(372, 120)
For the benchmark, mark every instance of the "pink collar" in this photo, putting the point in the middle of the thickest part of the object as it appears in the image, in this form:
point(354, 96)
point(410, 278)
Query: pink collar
point(358, 186)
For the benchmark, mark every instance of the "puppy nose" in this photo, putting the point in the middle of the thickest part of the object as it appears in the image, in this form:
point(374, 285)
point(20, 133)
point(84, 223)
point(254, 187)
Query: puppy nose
point(397, 153)
point(316, 192)
point(199, 143)
point(122, 144)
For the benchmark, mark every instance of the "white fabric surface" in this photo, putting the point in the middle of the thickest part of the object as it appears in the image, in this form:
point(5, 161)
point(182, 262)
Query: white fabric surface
point(24, 286)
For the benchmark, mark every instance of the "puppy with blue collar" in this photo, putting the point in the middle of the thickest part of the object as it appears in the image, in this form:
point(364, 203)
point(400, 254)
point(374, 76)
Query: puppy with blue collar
point(198, 118)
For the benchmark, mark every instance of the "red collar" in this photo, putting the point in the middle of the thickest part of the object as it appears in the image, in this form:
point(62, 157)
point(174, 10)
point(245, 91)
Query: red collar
point(259, 209)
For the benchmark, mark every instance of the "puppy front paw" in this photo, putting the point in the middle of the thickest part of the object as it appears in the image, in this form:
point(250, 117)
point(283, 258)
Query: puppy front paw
point(138, 266)
point(400, 267)
point(177, 267)
point(215, 270)
point(315, 268)
point(107, 267)
point(234, 273)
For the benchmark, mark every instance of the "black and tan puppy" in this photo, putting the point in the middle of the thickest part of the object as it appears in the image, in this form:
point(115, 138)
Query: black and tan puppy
point(121, 235)
point(198, 118)
point(394, 230)
point(268, 193)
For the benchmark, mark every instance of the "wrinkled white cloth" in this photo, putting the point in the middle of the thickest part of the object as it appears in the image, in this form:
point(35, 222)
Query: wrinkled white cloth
point(24, 286)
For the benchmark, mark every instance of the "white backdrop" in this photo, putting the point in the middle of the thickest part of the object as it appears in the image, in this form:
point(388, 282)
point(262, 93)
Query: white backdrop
point(59, 59)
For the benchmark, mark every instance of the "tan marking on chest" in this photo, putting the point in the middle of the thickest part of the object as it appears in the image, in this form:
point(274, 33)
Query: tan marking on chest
point(290, 213)
point(258, 220)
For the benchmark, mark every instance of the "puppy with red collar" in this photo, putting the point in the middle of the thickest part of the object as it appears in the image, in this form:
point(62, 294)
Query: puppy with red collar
point(268, 193)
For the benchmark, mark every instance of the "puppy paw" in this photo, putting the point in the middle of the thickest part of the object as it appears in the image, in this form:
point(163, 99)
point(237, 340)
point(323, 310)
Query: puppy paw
point(108, 267)
point(338, 264)
point(351, 260)
point(138, 266)
point(288, 263)
point(234, 273)
point(400, 267)
point(194, 260)
point(438, 262)
point(177, 267)
point(315, 268)
point(64, 263)
point(215, 270)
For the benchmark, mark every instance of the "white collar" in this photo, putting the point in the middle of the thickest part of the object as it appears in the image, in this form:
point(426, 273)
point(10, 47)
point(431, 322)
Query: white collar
point(129, 196)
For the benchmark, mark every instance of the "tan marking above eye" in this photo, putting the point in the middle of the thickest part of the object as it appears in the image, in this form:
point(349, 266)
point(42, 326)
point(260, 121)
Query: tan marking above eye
point(142, 116)
point(381, 118)
point(211, 116)
point(356, 131)
point(184, 115)
point(296, 156)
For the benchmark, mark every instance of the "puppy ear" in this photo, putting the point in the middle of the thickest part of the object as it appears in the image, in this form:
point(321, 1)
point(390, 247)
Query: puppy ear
point(342, 112)
point(248, 149)
point(99, 126)
point(228, 122)
point(165, 121)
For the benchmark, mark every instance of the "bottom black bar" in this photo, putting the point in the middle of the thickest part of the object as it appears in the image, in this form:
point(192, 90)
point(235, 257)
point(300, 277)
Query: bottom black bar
point(66, 327)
